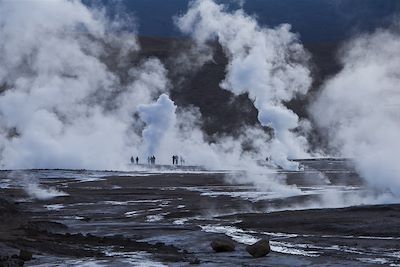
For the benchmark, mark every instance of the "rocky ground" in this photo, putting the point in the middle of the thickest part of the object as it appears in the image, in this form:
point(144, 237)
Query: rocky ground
point(156, 219)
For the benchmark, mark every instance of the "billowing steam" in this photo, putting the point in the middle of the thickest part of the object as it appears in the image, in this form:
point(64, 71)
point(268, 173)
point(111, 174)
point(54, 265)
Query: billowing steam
point(160, 118)
point(66, 103)
point(62, 107)
point(33, 187)
point(268, 64)
point(359, 108)
point(71, 99)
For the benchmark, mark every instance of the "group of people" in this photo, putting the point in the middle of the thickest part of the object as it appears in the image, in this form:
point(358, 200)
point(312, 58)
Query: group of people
point(135, 159)
point(151, 160)
point(175, 160)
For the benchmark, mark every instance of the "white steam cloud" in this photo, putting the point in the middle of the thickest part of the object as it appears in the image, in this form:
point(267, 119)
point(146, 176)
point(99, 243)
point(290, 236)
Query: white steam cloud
point(160, 118)
point(62, 107)
point(37, 191)
point(33, 188)
point(359, 108)
point(71, 99)
point(268, 64)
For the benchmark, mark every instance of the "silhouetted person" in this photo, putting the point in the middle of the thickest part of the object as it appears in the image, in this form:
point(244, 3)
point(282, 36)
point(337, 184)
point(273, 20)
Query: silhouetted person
point(173, 159)
point(137, 160)
point(182, 160)
point(132, 160)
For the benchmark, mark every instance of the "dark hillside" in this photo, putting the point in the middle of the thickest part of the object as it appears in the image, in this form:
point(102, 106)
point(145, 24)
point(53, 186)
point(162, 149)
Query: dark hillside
point(224, 113)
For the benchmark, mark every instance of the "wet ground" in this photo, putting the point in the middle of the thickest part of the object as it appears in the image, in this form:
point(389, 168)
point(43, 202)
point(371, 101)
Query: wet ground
point(169, 217)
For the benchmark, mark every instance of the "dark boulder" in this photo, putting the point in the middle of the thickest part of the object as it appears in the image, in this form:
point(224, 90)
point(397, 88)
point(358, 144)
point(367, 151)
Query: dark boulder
point(46, 226)
point(25, 255)
point(6, 261)
point(259, 249)
point(194, 261)
point(223, 245)
point(7, 207)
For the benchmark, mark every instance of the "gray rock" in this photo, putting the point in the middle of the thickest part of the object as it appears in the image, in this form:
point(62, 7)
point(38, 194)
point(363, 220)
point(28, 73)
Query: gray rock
point(7, 261)
point(259, 249)
point(194, 261)
point(25, 255)
point(223, 245)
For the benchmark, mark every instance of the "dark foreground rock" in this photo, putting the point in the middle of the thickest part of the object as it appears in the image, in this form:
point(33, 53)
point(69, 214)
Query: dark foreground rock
point(259, 249)
point(223, 245)
point(11, 261)
point(25, 255)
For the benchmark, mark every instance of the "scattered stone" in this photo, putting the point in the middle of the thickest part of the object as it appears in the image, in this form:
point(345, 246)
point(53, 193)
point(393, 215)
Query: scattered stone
point(89, 235)
point(86, 219)
point(10, 262)
point(223, 245)
point(118, 236)
point(25, 255)
point(194, 261)
point(259, 249)
point(6, 207)
point(46, 226)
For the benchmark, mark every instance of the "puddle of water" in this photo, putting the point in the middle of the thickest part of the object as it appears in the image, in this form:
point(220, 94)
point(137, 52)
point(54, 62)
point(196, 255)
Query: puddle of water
point(54, 207)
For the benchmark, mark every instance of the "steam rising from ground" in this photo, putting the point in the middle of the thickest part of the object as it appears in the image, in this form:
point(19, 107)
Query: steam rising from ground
point(268, 64)
point(359, 108)
point(159, 117)
point(36, 191)
point(63, 107)
point(33, 188)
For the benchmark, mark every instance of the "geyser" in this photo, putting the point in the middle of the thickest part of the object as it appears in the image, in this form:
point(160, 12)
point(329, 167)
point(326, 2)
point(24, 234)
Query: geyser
point(359, 108)
point(160, 119)
point(62, 106)
point(268, 64)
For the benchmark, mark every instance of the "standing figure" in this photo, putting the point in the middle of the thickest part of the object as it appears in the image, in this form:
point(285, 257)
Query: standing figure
point(132, 160)
point(137, 160)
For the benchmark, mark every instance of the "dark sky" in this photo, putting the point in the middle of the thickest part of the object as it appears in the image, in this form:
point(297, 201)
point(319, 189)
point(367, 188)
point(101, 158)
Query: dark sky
point(315, 20)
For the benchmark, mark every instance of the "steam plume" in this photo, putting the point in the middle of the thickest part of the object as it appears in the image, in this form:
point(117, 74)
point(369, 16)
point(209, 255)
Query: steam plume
point(268, 64)
point(62, 106)
point(160, 119)
point(359, 108)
